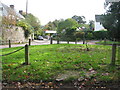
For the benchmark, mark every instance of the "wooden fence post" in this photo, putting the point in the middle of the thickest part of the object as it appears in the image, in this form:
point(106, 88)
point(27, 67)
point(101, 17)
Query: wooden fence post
point(84, 40)
point(76, 41)
point(9, 44)
point(29, 42)
point(51, 40)
point(113, 54)
point(58, 42)
point(27, 55)
point(67, 41)
point(104, 40)
point(118, 55)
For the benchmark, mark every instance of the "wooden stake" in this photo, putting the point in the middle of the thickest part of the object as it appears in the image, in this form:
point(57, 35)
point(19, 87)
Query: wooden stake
point(9, 44)
point(118, 55)
point(26, 54)
point(51, 40)
point(113, 54)
point(29, 42)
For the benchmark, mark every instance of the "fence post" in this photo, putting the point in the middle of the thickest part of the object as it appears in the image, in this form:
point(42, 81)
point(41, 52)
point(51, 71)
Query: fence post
point(118, 55)
point(26, 54)
point(83, 41)
point(113, 54)
point(68, 41)
point(58, 40)
point(104, 40)
point(9, 44)
point(29, 42)
point(75, 41)
point(51, 40)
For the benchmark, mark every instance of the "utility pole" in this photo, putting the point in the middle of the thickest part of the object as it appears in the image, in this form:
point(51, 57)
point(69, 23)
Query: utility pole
point(26, 7)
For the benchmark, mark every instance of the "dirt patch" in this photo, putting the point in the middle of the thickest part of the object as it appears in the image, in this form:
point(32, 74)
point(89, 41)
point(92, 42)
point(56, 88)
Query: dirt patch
point(67, 75)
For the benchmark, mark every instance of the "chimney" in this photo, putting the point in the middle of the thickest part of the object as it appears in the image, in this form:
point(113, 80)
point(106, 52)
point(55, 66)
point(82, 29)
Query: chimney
point(21, 12)
point(12, 6)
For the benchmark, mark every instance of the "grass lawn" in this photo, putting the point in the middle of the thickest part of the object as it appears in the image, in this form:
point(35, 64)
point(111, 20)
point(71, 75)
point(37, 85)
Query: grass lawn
point(107, 42)
point(59, 62)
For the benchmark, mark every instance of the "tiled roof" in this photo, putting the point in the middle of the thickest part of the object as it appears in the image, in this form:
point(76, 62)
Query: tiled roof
point(98, 18)
point(5, 10)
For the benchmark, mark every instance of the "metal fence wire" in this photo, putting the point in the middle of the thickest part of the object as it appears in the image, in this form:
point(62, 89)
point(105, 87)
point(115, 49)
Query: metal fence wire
point(13, 52)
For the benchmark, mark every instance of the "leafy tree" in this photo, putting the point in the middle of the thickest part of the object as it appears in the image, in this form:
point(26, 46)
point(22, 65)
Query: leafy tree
point(65, 24)
point(91, 25)
point(79, 34)
point(79, 19)
point(26, 27)
point(49, 26)
point(52, 25)
point(33, 21)
point(111, 21)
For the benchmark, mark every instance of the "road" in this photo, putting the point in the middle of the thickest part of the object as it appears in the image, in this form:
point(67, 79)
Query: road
point(43, 42)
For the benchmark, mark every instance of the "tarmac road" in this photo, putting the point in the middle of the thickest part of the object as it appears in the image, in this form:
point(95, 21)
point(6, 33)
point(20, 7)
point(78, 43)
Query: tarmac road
point(43, 42)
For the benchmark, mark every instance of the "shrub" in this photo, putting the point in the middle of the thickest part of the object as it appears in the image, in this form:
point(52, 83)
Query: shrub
point(100, 35)
point(27, 27)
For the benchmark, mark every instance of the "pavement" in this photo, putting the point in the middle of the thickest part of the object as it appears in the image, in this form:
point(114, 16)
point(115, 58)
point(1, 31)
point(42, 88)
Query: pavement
point(44, 42)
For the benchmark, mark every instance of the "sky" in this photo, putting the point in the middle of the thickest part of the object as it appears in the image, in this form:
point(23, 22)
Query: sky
point(49, 10)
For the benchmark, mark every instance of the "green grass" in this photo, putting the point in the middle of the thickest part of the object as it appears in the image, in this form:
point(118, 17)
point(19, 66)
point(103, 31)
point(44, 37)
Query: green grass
point(49, 62)
point(107, 42)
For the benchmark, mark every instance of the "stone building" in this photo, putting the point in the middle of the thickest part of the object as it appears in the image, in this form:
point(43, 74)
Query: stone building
point(9, 31)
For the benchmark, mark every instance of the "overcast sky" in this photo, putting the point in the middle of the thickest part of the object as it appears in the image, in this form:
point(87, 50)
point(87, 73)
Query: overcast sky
point(49, 10)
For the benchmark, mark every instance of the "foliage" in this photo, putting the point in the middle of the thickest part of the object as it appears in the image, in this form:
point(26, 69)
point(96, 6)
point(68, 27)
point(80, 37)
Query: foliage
point(98, 35)
point(89, 36)
point(91, 25)
point(68, 23)
point(33, 21)
point(69, 33)
point(52, 25)
point(79, 19)
point(79, 34)
point(111, 21)
point(27, 27)
point(50, 61)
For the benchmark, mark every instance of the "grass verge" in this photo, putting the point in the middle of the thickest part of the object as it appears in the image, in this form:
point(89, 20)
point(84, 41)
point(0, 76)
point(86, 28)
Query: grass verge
point(107, 42)
point(59, 62)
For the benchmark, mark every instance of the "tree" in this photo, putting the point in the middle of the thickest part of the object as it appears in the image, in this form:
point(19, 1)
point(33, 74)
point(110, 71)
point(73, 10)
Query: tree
point(91, 25)
point(35, 23)
point(28, 29)
point(79, 19)
point(111, 21)
point(65, 24)
point(52, 25)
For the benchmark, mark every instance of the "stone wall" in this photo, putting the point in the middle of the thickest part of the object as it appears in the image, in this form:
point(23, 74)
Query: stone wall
point(14, 33)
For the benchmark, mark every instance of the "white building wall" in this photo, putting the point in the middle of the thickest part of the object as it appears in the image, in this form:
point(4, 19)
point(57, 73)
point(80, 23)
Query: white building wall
point(98, 26)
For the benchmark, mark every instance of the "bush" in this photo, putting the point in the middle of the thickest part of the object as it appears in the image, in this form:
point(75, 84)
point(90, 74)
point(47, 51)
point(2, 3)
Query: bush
point(100, 35)
point(27, 27)
point(89, 36)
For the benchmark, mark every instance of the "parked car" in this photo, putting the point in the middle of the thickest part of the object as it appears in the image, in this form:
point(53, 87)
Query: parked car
point(40, 38)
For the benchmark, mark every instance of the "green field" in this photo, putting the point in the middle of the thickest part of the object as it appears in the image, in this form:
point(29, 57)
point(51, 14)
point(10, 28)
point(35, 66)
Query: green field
point(59, 62)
